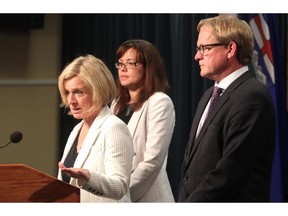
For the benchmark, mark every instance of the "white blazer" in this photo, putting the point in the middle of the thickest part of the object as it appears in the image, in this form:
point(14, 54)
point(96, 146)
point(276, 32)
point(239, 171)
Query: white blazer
point(107, 153)
point(151, 128)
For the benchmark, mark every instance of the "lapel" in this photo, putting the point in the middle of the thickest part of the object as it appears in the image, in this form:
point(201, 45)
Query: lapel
point(92, 135)
point(202, 104)
point(200, 109)
point(135, 118)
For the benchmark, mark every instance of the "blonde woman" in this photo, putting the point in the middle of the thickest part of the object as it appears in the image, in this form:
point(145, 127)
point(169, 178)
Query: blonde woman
point(98, 153)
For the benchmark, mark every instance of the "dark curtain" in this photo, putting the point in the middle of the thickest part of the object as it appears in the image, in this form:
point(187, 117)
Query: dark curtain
point(174, 35)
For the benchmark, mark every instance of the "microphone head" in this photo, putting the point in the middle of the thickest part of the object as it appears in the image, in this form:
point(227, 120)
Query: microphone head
point(16, 137)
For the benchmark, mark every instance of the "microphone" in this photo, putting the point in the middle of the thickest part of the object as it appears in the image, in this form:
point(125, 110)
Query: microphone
point(15, 137)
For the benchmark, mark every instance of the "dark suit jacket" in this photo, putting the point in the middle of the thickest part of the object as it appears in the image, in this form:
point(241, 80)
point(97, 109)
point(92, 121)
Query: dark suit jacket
point(231, 159)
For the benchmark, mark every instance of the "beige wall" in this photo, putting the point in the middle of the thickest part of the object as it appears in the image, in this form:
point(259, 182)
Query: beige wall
point(30, 62)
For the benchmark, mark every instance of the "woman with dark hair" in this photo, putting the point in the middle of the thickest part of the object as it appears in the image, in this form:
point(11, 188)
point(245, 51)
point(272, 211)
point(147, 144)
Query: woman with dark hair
point(142, 103)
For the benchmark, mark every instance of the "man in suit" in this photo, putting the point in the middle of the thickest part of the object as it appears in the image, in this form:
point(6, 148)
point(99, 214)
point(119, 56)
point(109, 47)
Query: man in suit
point(230, 151)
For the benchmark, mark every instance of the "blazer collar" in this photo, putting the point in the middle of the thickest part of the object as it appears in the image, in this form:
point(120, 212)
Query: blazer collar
point(91, 137)
point(135, 118)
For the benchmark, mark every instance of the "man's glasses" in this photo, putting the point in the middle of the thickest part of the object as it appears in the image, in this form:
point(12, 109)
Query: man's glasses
point(202, 48)
point(128, 65)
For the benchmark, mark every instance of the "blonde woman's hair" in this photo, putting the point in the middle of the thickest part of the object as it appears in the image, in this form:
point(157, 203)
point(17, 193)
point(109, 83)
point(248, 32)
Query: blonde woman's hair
point(96, 77)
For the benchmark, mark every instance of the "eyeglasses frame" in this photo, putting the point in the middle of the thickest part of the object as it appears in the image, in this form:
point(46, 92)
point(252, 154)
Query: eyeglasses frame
point(117, 65)
point(202, 48)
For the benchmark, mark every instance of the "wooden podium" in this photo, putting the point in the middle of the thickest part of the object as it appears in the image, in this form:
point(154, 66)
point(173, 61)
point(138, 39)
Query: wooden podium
point(21, 183)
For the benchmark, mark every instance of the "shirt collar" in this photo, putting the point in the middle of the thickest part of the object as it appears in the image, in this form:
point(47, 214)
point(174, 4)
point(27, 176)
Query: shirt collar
point(231, 78)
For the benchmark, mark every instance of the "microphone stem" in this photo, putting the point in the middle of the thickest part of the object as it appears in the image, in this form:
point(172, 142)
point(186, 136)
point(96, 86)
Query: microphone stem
point(5, 145)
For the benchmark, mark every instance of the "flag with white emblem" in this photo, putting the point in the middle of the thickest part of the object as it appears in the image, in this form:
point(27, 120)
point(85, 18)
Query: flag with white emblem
point(269, 68)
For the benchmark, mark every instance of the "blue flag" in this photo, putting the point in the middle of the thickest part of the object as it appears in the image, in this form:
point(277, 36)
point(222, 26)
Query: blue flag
point(269, 68)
